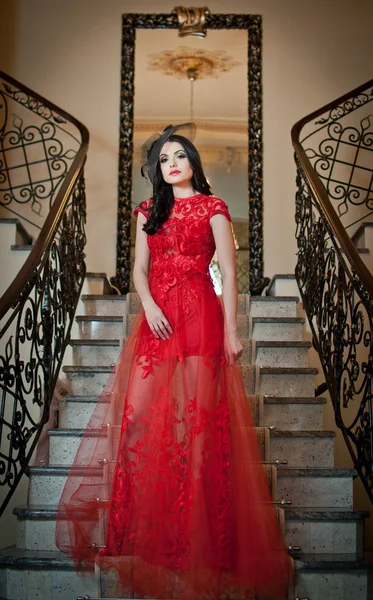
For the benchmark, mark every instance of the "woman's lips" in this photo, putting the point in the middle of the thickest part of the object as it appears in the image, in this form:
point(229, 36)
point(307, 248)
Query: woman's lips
point(175, 172)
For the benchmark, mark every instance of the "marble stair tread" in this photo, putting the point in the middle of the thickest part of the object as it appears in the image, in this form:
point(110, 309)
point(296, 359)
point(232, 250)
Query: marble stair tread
point(47, 511)
point(273, 432)
point(94, 274)
point(37, 559)
point(288, 370)
point(278, 319)
point(327, 513)
point(293, 400)
point(116, 318)
point(333, 562)
point(282, 344)
point(95, 342)
point(284, 471)
point(117, 297)
point(301, 433)
point(88, 368)
point(274, 298)
point(263, 370)
point(85, 398)
point(21, 247)
point(47, 470)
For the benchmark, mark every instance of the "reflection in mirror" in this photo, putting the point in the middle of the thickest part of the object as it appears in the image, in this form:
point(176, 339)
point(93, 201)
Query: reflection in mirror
point(193, 79)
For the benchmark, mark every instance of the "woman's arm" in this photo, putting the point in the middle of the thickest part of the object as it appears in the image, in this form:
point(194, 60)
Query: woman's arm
point(222, 231)
point(154, 315)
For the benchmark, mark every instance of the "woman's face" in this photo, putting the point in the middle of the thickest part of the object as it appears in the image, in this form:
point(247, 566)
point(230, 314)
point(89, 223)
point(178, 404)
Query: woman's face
point(175, 165)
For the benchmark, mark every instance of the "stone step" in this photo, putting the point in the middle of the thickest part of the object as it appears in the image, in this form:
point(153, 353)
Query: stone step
point(91, 352)
point(51, 575)
point(293, 413)
point(325, 531)
point(283, 285)
point(26, 248)
point(242, 325)
point(273, 306)
point(315, 531)
point(333, 577)
point(100, 327)
point(19, 235)
point(86, 380)
point(363, 236)
point(282, 353)
point(104, 305)
point(286, 381)
point(42, 575)
point(302, 448)
point(64, 443)
point(96, 283)
point(47, 482)
point(285, 329)
point(259, 328)
point(275, 381)
point(299, 486)
point(315, 487)
point(306, 448)
point(268, 411)
point(257, 306)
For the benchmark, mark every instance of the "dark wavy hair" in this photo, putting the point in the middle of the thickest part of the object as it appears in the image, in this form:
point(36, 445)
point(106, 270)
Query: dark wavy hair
point(163, 196)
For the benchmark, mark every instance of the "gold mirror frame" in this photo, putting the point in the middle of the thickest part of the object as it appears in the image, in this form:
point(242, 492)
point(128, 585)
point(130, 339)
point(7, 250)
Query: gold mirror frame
point(195, 22)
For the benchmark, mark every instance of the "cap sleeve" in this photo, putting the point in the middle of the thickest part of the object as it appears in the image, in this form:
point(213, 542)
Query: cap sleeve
point(143, 208)
point(218, 206)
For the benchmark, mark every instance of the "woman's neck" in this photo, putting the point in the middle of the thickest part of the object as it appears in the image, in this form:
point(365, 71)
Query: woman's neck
point(183, 191)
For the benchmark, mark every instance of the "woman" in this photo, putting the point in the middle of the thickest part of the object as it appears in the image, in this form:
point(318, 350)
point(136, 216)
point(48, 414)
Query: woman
point(184, 507)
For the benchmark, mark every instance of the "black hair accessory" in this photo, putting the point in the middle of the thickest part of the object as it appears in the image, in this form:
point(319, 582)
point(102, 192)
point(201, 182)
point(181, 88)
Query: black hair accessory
point(151, 149)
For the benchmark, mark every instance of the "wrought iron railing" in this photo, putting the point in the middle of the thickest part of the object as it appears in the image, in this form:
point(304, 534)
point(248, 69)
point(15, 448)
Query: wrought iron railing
point(37, 310)
point(334, 158)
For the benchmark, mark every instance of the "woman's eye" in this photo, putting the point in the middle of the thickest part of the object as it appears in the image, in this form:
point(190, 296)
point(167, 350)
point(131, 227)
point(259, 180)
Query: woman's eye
point(180, 156)
point(163, 160)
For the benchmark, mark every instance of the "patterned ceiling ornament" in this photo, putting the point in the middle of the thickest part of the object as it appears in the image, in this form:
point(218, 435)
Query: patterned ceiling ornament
point(192, 21)
point(192, 63)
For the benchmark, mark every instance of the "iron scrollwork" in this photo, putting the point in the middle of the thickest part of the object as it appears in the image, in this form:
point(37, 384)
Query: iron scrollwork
point(340, 149)
point(336, 299)
point(38, 308)
point(35, 335)
point(253, 24)
point(37, 147)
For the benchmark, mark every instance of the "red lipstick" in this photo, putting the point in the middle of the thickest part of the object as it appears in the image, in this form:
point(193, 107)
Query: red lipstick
point(175, 172)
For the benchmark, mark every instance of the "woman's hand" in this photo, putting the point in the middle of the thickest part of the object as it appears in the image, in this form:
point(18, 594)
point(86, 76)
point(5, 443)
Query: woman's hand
point(157, 322)
point(232, 347)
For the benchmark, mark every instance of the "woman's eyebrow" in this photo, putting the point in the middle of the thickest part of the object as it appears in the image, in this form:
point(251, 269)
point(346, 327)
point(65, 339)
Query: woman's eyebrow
point(164, 154)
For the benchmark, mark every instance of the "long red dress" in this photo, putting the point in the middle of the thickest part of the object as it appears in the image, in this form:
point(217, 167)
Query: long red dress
point(168, 476)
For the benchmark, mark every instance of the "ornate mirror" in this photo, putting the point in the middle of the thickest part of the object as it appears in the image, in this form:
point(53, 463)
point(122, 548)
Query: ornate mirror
point(174, 80)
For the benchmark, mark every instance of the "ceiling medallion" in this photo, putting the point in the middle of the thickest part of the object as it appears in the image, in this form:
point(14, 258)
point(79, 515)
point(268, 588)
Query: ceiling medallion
point(192, 63)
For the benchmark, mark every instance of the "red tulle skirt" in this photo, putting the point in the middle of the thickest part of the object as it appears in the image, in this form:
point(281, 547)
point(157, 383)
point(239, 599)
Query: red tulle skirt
point(167, 492)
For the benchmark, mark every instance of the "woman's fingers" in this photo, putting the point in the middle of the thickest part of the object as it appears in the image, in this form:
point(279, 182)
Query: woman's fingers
point(161, 328)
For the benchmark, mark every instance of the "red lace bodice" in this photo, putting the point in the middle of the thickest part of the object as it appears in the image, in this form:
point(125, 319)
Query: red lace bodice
point(184, 244)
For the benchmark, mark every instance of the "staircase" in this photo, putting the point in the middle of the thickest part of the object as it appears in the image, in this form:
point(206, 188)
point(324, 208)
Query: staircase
point(15, 246)
point(324, 533)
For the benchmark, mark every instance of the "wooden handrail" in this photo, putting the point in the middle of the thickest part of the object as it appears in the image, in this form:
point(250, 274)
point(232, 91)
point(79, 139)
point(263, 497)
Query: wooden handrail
point(53, 219)
point(320, 192)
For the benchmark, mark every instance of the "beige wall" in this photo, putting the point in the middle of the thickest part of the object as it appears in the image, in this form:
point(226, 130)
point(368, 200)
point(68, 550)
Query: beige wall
point(313, 51)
